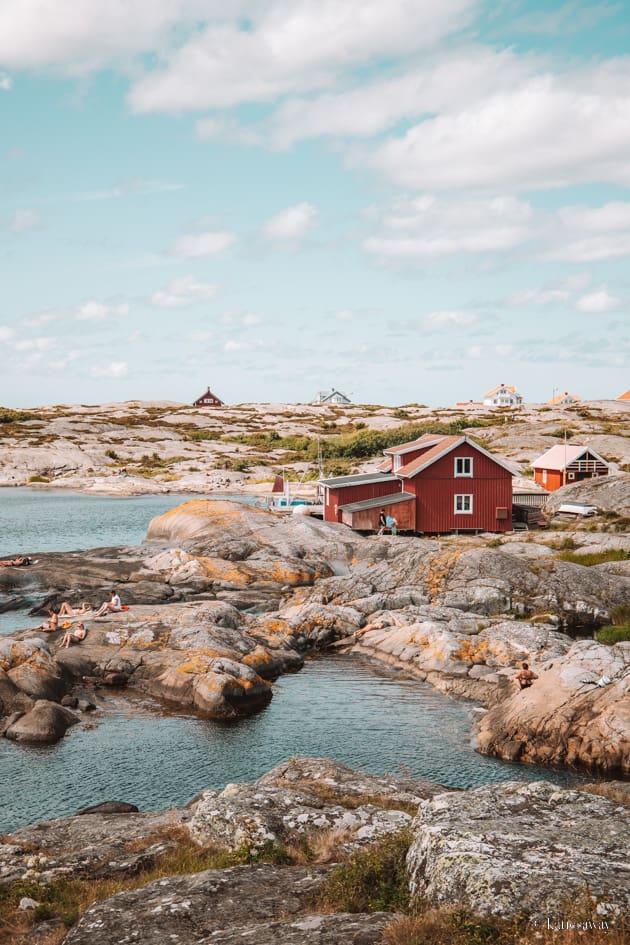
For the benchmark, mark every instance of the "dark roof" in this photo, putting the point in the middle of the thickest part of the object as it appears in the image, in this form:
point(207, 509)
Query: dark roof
point(340, 482)
point(379, 502)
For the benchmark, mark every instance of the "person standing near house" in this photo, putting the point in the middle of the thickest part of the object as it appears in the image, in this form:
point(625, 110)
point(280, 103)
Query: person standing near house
point(382, 522)
point(391, 523)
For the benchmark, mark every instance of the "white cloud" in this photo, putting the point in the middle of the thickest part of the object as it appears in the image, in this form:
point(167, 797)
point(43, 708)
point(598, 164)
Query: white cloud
point(366, 109)
point(184, 291)
point(427, 227)
point(93, 311)
point(551, 131)
point(6, 82)
point(599, 301)
point(445, 320)
point(593, 234)
point(209, 243)
point(24, 219)
point(291, 48)
point(345, 315)
point(5, 334)
point(35, 344)
point(80, 37)
point(292, 223)
point(113, 369)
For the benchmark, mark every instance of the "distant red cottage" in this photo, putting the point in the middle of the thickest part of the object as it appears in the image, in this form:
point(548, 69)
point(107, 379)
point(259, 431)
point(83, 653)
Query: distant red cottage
point(568, 463)
point(208, 400)
point(433, 484)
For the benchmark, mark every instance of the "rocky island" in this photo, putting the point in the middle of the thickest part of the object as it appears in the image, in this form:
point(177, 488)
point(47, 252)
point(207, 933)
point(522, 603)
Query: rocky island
point(223, 599)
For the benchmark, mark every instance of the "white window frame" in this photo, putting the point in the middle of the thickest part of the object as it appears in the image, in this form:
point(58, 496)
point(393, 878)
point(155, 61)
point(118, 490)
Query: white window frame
point(397, 462)
point(544, 477)
point(463, 497)
point(464, 460)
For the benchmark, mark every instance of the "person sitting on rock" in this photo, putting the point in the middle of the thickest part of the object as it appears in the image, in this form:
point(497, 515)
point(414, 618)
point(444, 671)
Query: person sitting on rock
point(74, 636)
point(67, 610)
point(526, 677)
point(111, 606)
point(50, 625)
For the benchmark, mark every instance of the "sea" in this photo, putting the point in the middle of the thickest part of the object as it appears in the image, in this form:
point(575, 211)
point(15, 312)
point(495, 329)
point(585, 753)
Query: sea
point(337, 706)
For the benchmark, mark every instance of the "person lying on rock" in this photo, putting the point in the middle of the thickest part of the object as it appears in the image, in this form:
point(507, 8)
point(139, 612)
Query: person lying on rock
point(21, 561)
point(526, 677)
point(48, 626)
point(381, 623)
point(111, 606)
point(66, 609)
point(74, 636)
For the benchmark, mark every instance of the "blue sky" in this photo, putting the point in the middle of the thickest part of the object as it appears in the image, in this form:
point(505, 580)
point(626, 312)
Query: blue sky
point(408, 201)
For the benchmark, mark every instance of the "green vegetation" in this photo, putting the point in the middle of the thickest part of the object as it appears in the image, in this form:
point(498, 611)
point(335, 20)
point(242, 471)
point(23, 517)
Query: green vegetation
point(563, 433)
point(7, 415)
point(67, 898)
point(619, 630)
point(358, 443)
point(38, 478)
point(595, 557)
point(371, 880)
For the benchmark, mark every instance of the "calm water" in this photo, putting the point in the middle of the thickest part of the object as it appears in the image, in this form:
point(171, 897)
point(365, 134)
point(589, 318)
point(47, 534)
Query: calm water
point(336, 706)
point(33, 521)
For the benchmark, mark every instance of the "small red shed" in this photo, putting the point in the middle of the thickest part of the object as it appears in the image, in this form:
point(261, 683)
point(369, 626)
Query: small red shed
point(567, 463)
point(208, 400)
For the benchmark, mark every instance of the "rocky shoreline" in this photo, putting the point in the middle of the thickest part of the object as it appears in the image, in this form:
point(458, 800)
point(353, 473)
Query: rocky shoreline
point(327, 856)
point(225, 598)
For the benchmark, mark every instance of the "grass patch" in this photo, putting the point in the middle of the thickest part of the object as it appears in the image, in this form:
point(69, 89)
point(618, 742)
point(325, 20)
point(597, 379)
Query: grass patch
point(7, 415)
point(67, 898)
point(371, 880)
point(619, 630)
point(612, 635)
point(595, 557)
point(38, 478)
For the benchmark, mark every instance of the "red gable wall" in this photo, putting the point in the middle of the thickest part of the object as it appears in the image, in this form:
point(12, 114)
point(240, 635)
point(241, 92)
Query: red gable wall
point(437, 486)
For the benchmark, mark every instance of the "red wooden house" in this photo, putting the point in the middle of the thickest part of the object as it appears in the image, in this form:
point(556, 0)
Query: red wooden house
point(433, 484)
point(565, 464)
point(208, 400)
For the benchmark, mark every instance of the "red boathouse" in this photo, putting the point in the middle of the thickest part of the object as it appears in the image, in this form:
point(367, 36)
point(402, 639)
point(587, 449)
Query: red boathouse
point(433, 484)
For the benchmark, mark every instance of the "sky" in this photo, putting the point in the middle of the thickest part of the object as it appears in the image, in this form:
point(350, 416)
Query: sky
point(405, 200)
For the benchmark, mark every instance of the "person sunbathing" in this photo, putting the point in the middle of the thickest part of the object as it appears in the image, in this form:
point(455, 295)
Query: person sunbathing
point(74, 636)
point(20, 562)
point(381, 623)
point(66, 609)
point(48, 626)
point(111, 606)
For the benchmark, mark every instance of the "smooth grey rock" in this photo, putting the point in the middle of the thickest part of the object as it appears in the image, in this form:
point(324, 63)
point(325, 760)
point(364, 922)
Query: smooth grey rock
point(189, 909)
point(317, 929)
point(513, 848)
point(108, 807)
point(253, 815)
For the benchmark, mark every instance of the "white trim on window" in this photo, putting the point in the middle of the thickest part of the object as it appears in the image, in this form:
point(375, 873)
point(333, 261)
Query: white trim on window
point(463, 467)
point(544, 477)
point(463, 505)
point(397, 462)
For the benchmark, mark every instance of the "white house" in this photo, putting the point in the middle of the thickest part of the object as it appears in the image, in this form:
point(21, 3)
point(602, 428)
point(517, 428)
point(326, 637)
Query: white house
point(331, 397)
point(502, 396)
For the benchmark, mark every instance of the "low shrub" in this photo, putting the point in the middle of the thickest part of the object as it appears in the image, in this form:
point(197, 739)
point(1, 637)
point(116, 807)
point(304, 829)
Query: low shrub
point(612, 635)
point(595, 557)
point(371, 880)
